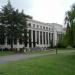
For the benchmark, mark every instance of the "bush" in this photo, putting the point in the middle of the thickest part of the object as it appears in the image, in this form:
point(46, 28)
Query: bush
point(73, 46)
point(62, 43)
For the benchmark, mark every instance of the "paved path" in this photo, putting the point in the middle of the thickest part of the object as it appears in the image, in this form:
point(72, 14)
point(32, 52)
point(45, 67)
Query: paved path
point(5, 59)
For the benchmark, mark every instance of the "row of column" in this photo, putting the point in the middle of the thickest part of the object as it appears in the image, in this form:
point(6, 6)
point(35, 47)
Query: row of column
point(45, 37)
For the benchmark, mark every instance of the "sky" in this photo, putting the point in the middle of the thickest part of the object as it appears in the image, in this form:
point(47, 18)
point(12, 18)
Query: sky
point(48, 11)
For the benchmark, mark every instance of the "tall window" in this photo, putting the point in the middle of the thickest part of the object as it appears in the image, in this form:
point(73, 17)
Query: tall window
point(44, 27)
point(51, 39)
point(47, 37)
point(29, 38)
point(49, 28)
point(44, 37)
point(34, 38)
point(37, 26)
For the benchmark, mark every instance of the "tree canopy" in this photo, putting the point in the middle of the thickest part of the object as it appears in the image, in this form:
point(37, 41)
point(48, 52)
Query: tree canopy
point(14, 24)
point(70, 22)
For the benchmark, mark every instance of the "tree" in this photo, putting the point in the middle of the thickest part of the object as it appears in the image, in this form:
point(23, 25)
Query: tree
point(70, 22)
point(15, 23)
point(2, 34)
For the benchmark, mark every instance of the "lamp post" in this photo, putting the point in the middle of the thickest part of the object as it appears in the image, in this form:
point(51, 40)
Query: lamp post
point(56, 46)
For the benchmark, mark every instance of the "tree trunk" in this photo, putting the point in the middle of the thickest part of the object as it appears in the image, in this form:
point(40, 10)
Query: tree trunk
point(11, 42)
point(12, 45)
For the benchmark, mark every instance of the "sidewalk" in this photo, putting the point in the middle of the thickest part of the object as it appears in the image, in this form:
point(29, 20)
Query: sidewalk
point(5, 59)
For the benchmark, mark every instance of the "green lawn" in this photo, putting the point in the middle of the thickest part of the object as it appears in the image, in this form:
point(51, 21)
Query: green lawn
point(60, 64)
point(4, 53)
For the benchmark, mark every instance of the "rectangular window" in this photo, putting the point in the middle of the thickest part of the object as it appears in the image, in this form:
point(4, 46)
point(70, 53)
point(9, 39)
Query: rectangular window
point(47, 37)
point(43, 27)
point(37, 26)
point(49, 28)
point(34, 25)
point(44, 37)
point(29, 24)
point(34, 38)
point(41, 37)
point(30, 44)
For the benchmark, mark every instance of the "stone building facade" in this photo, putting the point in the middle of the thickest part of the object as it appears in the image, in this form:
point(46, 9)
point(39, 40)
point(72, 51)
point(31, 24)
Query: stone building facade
point(40, 35)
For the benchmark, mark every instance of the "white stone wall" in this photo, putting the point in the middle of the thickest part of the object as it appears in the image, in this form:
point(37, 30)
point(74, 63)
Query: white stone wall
point(57, 29)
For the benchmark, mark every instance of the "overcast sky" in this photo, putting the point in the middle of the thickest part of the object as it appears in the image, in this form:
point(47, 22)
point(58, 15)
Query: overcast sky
point(49, 11)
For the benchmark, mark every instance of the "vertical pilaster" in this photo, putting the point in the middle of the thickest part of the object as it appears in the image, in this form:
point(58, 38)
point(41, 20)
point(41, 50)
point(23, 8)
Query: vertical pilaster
point(28, 39)
point(32, 37)
point(18, 44)
point(48, 39)
point(42, 39)
point(36, 37)
point(39, 37)
point(45, 39)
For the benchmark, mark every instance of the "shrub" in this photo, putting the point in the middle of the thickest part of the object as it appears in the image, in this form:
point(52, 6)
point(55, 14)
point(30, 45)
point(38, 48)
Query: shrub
point(62, 42)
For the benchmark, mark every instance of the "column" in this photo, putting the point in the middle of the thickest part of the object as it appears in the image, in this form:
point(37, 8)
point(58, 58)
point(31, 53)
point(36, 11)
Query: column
point(17, 44)
point(45, 39)
point(36, 37)
point(39, 37)
point(42, 39)
point(28, 39)
point(48, 39)
point(32, 37)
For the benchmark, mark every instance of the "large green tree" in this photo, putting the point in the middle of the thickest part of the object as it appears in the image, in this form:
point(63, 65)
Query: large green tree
point(70, 22)
point(15, 23)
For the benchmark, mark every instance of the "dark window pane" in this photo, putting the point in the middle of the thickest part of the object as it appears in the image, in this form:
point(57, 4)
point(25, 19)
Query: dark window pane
point(30, 38)
point(41, 37)
point(33, 38)
point(44, 37)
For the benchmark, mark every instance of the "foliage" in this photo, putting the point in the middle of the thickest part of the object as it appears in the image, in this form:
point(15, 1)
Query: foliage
point(5, 53)
point(15, 23)
point(70, 22)
point(62, 42)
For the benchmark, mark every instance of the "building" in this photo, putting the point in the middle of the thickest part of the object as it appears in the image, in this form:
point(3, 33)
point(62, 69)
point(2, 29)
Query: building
point(40, 35)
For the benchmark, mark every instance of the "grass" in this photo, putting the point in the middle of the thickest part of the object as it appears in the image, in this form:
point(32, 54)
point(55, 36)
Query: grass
point(41, 51)
point(5, 53)
point(66, 48)
point(60, 64)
